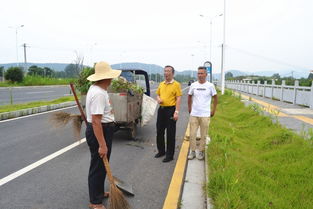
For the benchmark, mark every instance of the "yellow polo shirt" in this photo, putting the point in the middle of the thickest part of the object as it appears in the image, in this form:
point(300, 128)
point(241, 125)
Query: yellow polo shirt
point(168, 92)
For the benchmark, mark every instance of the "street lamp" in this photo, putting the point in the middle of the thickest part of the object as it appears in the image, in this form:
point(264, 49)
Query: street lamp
point(192, 55)
point(223, 52)
point(16, 40)
point(211, 31)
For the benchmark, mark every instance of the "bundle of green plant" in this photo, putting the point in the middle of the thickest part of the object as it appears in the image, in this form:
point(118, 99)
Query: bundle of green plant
point(122, 85)
point(255, 163)
point(82, 84)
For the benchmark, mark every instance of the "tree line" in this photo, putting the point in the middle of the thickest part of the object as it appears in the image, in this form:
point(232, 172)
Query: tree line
point(276, 77)
point(16, 74)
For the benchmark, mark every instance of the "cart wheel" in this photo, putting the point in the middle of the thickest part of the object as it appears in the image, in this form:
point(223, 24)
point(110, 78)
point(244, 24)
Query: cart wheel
point(133, 131)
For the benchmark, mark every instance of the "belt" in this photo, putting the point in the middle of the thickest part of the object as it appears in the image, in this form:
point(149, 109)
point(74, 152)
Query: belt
point(167, 107)
point(105, 124)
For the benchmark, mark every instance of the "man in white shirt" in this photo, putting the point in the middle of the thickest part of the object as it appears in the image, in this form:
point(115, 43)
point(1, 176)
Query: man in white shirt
point(199, 107)
point(99, 131)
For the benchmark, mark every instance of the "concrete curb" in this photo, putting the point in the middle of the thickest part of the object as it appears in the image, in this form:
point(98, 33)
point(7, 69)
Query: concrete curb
point(208, 199)
point(34, 110)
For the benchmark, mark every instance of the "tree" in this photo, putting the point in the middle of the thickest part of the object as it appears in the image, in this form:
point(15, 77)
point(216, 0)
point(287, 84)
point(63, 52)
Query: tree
point(276, 76)
point(310, 77)
point(71, 71)
point(14, 74)
point(34, 70)
point(48, 72)
point(1, 71)
point(228, 75)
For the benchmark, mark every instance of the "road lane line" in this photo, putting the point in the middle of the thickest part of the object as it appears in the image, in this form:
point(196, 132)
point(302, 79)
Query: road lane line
point(270, 109)
point(176, 185)
point(267, 107)
point(39, 92)
point(185, 88)
point(39, 162)
point(303, 118)
point(26, 116)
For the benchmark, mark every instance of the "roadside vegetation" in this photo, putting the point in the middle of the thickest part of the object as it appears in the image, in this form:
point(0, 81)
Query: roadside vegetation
point(14, 107)
point(38, 81)
point(256, 163)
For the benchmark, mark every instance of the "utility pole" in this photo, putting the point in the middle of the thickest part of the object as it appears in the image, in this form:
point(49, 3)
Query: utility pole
point(25, 60)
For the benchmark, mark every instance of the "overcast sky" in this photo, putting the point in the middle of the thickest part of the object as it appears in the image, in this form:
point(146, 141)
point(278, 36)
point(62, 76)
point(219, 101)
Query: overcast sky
point(260, 34)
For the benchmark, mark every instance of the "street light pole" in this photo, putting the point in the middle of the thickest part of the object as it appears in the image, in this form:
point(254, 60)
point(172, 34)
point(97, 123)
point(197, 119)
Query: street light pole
point(223, 52)
point(192, 65)
point(211, 31)
point(16, 40)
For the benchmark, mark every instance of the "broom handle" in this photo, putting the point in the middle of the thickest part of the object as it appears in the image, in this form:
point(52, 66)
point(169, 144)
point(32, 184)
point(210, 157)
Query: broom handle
point(78, 104)
point(108, 169)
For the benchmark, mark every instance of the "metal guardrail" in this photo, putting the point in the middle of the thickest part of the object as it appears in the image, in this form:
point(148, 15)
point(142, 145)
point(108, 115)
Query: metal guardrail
point(299, 95)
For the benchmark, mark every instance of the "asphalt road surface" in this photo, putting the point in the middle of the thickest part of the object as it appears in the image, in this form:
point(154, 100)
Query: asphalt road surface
point(61, 183)
point(32, 93)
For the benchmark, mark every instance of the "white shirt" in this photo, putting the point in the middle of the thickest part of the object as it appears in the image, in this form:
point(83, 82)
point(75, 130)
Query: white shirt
point(98, 103)
point(201, 98)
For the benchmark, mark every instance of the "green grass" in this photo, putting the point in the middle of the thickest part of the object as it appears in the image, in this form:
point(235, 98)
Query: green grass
point(39, 81)
point(255, 163)
point(9, 108)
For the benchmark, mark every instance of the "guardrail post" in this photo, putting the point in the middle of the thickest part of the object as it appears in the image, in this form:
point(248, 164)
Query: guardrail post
point(257, 87)
point(311, 105)
point(295, 91)
point(264, 86)
point(273, 84)
point(283, 84)
point(241, 85)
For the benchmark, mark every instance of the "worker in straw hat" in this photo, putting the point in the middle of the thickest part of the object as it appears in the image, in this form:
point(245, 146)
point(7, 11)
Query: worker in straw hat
point(100, 129)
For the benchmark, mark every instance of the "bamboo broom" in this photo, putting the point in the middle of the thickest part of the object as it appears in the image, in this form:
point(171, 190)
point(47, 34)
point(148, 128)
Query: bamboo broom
point(116, 197)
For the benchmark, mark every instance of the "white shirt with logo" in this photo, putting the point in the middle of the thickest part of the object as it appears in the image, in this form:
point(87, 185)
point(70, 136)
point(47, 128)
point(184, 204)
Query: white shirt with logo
point(98, 103)
point(201, 98)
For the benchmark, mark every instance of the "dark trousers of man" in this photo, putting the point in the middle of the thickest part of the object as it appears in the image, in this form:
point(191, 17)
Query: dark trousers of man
point(165, 121)
point(97, 172)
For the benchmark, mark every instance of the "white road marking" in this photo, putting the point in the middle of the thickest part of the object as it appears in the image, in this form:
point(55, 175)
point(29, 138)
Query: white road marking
point(39, 92)
point(26, 116)
point(39, 162)
point(185, 88)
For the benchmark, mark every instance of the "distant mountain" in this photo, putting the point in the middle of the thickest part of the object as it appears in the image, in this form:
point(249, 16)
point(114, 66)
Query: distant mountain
point(54, 66)
point(150, 68)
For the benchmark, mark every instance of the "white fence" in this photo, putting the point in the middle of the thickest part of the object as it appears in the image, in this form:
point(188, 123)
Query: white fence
point(296, 94)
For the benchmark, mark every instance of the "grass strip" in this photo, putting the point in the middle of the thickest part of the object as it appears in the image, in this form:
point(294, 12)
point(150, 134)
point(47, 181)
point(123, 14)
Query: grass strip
point(39, 81)
point(14, 107)
point(255, 162)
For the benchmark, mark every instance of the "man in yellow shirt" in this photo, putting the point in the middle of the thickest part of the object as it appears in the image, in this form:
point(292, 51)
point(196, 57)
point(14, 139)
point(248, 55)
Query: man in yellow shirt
point(168, 96)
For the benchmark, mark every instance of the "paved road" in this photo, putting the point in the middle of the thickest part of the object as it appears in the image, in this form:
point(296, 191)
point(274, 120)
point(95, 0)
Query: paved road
point(33, 93)
point(62, 181)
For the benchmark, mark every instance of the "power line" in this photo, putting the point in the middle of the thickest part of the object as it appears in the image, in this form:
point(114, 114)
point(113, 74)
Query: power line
point(267, 58)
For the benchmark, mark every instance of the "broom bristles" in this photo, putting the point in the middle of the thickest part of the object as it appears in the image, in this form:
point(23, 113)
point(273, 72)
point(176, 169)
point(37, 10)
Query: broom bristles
point(60, 119)
point(117, 199)
point(77, 125)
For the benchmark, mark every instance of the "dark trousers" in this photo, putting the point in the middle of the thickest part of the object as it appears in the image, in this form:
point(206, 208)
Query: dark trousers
point(165, 121)
point(97, 172)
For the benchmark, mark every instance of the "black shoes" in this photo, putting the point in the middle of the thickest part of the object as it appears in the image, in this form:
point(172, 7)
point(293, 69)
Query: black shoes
point(159, 154)
point(167, 159)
